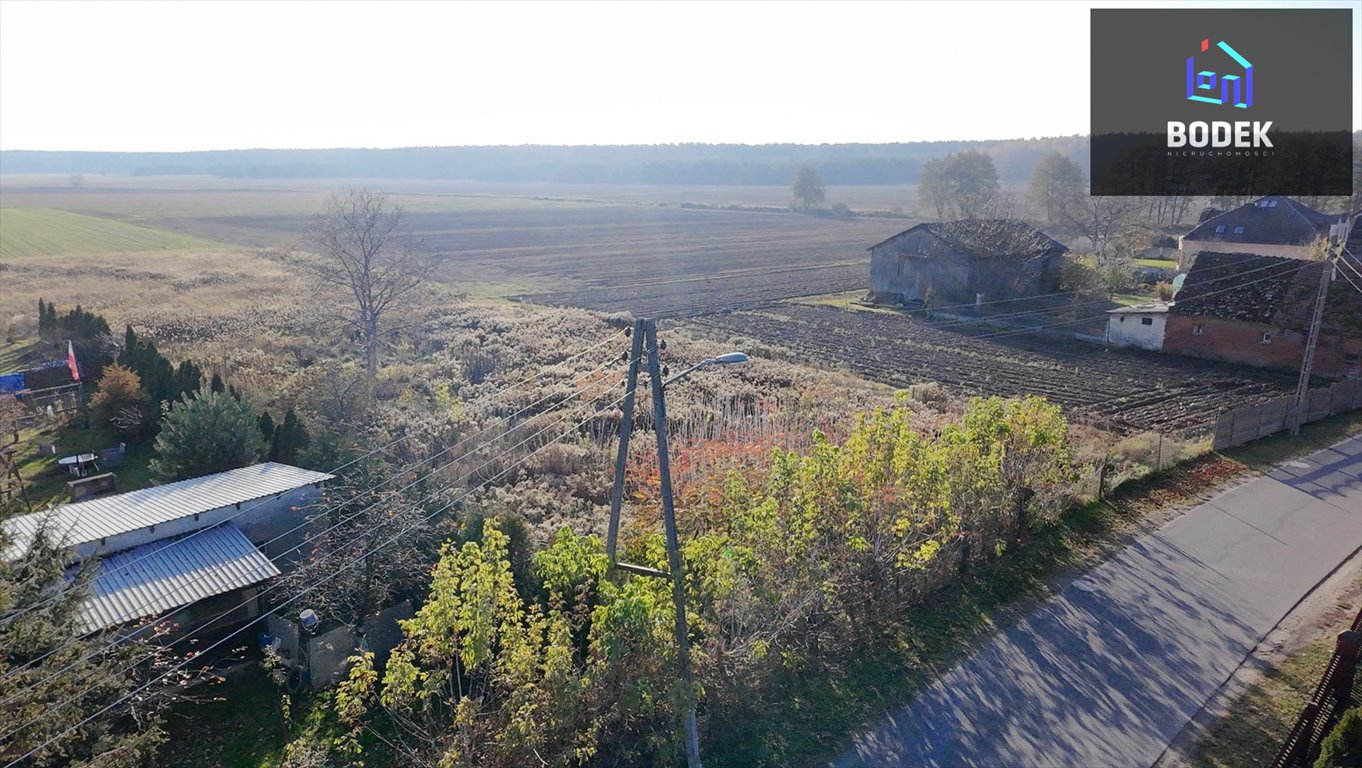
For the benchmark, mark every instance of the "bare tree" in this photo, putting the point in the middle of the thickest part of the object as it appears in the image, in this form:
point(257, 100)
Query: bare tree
point(367, 251)
point(1104, 221)
point(809, 190)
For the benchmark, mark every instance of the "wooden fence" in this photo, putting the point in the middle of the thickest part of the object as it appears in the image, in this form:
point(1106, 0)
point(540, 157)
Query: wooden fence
point(1239, 426)
point(1331, 697)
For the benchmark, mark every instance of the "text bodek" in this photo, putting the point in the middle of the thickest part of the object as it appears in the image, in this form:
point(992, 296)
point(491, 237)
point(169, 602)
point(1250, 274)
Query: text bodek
point(1242, 134)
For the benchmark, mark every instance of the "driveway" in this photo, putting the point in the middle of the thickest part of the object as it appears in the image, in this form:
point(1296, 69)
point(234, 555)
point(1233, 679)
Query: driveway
point(1107, 672)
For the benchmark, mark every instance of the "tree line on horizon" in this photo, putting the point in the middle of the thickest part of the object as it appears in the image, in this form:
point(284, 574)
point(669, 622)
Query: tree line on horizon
point(700, 164)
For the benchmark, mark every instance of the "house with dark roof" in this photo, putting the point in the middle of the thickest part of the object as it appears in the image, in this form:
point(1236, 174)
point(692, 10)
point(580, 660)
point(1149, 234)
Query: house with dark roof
point(1248, 308)
point(1275, 225)
point(967, 261)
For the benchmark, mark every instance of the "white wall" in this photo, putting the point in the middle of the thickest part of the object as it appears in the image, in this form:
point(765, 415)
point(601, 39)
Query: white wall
point(1127, 329)
point(260, 520)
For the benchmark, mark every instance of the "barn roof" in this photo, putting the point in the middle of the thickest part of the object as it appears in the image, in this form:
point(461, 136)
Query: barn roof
point(164, 575)
point(993, 237)
point(1271, 220)
point(90, 521)
point(1269, 290)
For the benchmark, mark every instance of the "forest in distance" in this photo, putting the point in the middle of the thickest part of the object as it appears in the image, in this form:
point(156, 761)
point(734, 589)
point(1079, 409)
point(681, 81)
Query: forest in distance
point(704, 164)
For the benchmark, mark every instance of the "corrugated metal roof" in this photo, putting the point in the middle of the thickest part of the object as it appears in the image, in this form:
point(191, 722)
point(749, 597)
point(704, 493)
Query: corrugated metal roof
point(163, 575)
point(89, 521)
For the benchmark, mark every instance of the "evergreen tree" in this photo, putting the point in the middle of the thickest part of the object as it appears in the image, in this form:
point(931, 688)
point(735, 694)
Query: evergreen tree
point(289, 440)
point(267, 430)
point(205, 433)
point(216, 384)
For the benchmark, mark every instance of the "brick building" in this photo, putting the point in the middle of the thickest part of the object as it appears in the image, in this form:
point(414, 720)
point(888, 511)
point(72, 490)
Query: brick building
point(1263, 318)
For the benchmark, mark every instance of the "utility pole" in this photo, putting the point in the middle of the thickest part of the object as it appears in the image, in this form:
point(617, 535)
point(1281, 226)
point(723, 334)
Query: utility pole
point(1308, 360)
point(645, 335)
point(692, 732)
point(626, 427)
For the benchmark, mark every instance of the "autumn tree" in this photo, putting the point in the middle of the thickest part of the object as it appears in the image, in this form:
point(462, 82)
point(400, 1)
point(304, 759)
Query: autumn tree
point(120, 402)
point(1056, 182)
point(205, 433)
point(368, 253)
point(809, 190)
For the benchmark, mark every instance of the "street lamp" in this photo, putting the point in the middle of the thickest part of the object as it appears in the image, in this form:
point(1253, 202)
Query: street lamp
point(645, 333)
point(731, 358)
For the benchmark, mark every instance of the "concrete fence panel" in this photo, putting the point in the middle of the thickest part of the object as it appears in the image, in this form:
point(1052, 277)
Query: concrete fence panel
point(1241, 425)
point(1274, 416)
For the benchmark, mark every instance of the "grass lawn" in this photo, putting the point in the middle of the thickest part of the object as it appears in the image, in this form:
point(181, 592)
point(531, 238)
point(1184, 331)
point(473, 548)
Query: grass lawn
point(1131, 299)
point(28, 234)
point(46, 479)
point(1157, 263)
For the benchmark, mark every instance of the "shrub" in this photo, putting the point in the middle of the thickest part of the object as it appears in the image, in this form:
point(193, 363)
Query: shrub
point(206, 433)
point(120, 403)
point(1342, 748)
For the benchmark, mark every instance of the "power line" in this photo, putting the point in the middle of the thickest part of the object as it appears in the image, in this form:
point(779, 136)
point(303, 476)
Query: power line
point(308, 540)
point(1046, 310)
point(1236, 286)
point(209, 622)
point(326, 579)
point(485, 398)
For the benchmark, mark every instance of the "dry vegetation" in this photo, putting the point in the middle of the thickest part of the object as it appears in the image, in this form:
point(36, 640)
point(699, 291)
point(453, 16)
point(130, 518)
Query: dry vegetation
point(455, 368)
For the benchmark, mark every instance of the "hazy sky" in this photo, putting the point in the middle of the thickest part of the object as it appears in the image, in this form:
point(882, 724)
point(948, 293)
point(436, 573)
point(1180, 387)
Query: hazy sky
point(209, 75)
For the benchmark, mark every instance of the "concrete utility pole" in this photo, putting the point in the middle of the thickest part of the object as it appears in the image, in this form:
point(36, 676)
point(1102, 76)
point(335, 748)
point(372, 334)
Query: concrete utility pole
point(1308, 361)
point(645, 334)
point(692, 731)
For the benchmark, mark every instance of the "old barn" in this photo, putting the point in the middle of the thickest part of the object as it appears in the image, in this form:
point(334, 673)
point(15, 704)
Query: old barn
point(966, 261)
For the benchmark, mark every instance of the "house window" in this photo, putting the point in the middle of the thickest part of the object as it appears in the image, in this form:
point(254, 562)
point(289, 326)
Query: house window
point(1271, 203)
point(1238, 230)
point(1266, 338)
point(1198, 329)
point(1220, 230)
point(1146, 321)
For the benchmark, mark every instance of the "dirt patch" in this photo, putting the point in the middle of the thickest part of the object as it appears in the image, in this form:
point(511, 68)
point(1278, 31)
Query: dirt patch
point(1122, 390)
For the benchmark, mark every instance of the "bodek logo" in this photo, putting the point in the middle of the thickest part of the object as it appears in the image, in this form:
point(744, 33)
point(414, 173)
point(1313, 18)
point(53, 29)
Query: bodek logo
point(1233, 88)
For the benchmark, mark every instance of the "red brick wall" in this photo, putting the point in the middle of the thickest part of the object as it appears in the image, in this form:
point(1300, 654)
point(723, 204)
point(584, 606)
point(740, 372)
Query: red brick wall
point(1239, 342)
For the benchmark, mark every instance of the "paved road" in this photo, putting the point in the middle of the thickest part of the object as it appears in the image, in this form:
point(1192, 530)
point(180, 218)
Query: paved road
point(1106, 673)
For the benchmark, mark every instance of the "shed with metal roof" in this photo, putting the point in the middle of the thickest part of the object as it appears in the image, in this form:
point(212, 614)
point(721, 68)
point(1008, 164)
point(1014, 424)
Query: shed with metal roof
point(262, 501)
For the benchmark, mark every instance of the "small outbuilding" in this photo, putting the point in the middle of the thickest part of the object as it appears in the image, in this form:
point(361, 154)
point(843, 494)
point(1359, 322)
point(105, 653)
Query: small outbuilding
point(1141, 325)
point(966, 261)
point(191, 548)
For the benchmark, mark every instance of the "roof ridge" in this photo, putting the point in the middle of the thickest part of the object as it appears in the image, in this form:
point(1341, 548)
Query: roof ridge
point(1296, 206)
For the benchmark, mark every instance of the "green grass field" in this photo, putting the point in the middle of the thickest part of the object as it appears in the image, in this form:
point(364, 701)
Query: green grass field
point(45, 233)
